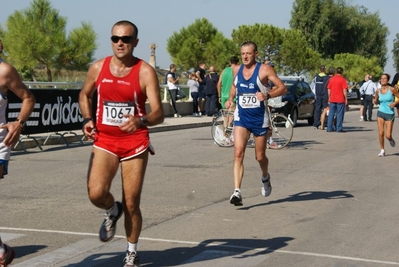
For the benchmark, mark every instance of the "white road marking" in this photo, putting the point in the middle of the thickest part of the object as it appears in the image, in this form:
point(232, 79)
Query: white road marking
point(7, 236)
point(320, 255)
point(224, 259)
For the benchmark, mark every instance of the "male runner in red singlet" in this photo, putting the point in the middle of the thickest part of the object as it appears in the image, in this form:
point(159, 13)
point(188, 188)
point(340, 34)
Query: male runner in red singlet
point(120, 132)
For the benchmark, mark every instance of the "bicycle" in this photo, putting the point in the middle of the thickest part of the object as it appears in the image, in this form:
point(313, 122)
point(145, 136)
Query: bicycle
point(281, 128)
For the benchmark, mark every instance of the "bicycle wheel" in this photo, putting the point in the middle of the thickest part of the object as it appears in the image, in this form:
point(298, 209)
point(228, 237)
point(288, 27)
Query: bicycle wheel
point(222, 129)
point(282, 132)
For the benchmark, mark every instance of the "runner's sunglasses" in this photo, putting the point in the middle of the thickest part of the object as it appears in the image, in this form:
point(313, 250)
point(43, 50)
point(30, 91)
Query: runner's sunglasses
point(125, 39)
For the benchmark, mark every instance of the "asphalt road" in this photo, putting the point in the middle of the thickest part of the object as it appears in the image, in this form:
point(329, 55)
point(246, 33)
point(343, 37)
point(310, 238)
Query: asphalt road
point(334, 203)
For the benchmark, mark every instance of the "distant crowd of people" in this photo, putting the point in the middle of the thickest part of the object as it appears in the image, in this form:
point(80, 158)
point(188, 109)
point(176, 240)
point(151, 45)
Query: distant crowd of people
point(203, 89)
point(331, 92)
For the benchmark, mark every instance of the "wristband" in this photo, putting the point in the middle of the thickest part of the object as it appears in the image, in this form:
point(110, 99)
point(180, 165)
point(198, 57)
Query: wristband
point(143, 121)
point(23, 123)
point(86, 120)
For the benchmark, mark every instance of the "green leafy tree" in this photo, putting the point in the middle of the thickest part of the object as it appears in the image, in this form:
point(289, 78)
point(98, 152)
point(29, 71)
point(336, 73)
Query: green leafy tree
point(42, 42)
point(355, 66)
point(333, 27)
point(268, 38)
point(297, 55)
point(200, 42)
point(78, 50)
point(395, 52)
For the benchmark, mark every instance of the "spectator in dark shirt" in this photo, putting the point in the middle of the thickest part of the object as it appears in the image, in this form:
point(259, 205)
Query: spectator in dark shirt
point(200, 73)
point(211, 91)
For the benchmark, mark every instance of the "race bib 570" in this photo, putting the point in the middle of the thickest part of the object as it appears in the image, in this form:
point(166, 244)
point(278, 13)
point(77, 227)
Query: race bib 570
point(249, 101)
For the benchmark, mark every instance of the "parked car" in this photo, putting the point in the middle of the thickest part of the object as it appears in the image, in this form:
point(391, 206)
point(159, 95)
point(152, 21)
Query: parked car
point(354, 92)
point(299, 101)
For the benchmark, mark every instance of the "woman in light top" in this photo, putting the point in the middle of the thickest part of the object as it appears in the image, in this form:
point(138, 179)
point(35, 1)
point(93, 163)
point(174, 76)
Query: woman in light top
point(385, 95)
point(193, 84)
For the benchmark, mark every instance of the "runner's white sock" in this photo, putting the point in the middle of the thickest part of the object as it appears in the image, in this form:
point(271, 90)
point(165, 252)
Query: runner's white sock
point(113, 211)
point(2, 249)
point(265, 178)
point(131, 247)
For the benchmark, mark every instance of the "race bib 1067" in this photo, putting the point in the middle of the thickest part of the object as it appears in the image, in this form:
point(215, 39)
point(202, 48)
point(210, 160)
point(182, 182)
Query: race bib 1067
point(113, 112)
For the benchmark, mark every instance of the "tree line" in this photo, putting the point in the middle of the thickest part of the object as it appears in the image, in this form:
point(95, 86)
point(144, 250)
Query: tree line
point(329, 32)
point(36, 39)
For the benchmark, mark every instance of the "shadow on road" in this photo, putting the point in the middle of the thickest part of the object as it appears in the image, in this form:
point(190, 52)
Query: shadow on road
point(207, 250)
point(22, 251)
point(305, 196)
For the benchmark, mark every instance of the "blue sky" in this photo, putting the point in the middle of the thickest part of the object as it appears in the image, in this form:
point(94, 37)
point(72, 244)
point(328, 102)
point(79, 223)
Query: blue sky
point(157, 20)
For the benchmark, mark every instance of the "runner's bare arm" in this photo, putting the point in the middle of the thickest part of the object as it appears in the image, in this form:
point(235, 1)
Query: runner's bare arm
point(395, 93)
point(15, 84)
point(149, 82)
point(219, 84)
point(86, 95)
point(267, 73)
point(10, 80)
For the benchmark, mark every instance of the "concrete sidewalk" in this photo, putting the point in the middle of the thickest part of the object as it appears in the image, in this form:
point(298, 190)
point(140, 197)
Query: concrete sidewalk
point(76, 137)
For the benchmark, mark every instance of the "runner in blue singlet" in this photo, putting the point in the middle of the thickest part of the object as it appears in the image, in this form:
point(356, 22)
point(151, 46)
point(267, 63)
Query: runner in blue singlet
point(251, 114)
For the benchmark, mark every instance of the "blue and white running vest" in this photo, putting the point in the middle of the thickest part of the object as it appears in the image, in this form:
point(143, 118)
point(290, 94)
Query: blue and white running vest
point(250, 112)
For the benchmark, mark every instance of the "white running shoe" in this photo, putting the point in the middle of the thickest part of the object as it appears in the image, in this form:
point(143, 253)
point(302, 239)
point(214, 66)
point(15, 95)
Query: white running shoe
point(108, 227)
point(267, 186)
point(131, 259)
point(236, 198)
point(382, 153)
point(392, 143)
point(7, 256)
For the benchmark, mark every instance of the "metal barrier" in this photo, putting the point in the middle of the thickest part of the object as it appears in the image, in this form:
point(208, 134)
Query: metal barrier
point(78, 85)
point(54, 85)
point(185, 88)
point(57, 111)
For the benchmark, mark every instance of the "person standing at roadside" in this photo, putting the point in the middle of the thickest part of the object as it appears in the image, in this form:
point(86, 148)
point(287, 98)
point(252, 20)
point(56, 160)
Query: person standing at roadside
point(337, 99)
point(386, 113)
point(321, 95)
point(172, 82)
point(226, 80)
point(200, 73)
point(395, 83)
point(193, 85)
point(331, 72)
point(367, 90)
point(11, 131)
point(119, 130)
point(211, 92)
point(251, 88)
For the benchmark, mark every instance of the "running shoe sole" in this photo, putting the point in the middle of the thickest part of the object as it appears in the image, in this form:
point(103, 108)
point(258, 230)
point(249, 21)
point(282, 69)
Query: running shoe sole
point(268, 190)
point(8, 256)
point(106, 236)
point(235, 200)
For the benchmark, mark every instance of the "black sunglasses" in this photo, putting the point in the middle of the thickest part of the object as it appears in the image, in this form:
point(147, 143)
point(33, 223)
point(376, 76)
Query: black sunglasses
point(125, 39)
